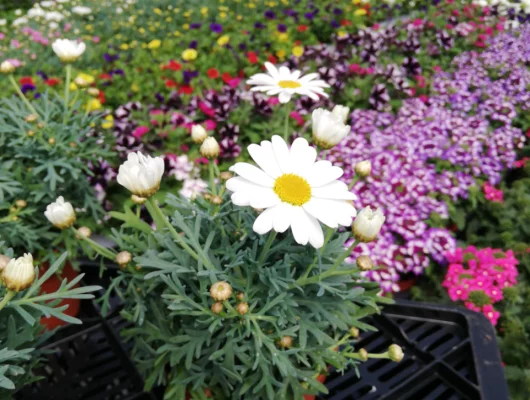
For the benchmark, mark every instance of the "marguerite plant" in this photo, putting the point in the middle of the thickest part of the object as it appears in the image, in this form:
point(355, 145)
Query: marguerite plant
point(228, 302)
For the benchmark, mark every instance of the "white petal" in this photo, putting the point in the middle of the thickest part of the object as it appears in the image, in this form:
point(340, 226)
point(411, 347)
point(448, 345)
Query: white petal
point(300, 226)
point(302, 156)
point(316, 236)
point(253, 174)
point(281, 152)
point(238, 184)
point(285, 73)
point(241, 199)
point(263, 223)
point(272, 70)
point(264, 157)
point(284, 97)
point(318, 208)
point(264, 199)
point(322, 175)
point(335, 190)
point(283, 217)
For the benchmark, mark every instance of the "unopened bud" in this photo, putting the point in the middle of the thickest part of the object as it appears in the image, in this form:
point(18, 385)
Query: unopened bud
point(93, 92)
point(240, 296)
point(21, 203)
point(210, 148)
point(123, 258)
point(354, 332)
point(217, 200)
point(225, 175)
point(31, 133)
point(207, 196)
point(198, 134)
point(242, 308)
point(395, 353)
point(19, 273)
point(51, 141)
point(285, 342)
point(217, 308)
point(221, 291)
point(364, 263)
point(82, 83)
point(83, 233)
point(31, 118)
point(363, 355)
point(363, 168)
point(4, 260)
point(138, 200)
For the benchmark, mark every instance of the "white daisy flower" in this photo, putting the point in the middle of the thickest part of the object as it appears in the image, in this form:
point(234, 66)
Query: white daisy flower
point(285, 83)
point(295, 190)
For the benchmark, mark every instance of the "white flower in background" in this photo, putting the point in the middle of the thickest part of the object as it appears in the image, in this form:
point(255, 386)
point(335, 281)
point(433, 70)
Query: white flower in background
point(367, 224)
point(192, 188)
point(285, 83)
point(18, 12)
point(20, 21)
point(295, 190)
point(3, 22)
point(179, 166)
point(68, 50)
point(54, 16)
point(141, 175)
point(60, 213)
point(7, 67)
point(35, 13)
point(62, 1)
point(53, 25)
point(119, 10)
point(328, 127)
point(198, 134)
point(81, 10)
point(47, 3)
point(19, 273)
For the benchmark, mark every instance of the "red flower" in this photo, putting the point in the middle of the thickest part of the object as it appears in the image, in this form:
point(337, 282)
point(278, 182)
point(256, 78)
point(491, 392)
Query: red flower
point(345, 22)
point(101, 97)
point(104, 76)
point(26, 80)
point(226, 77)
point(171, 83)
point(213, 73)
point(272, 59)
point(186, 89)
point(52, 82)
point(302, 28)
point(174, 66)
point(252, 57)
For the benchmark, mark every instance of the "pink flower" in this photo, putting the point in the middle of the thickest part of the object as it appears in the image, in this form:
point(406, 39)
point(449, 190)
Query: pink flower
point(140, 131)
point(95, 39)
point(299, 119)
point(210, 124)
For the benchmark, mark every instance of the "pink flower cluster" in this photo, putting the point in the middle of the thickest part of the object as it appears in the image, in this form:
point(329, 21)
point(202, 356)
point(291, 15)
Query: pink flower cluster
point(492, 194)
point(488, 271)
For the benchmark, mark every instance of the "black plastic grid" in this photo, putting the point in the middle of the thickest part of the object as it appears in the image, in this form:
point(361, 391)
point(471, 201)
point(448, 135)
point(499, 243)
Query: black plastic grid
point(449, 354)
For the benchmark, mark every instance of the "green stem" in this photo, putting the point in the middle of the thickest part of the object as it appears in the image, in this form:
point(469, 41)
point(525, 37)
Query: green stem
point(286, 123)
point(353, 181)
point(103, 251)
point(266, 248)
point(313, 264)
point(9, 295)
point(321, 277)
point(24, 98)
point(212, 177)
point(67, 91)
point(344, 255)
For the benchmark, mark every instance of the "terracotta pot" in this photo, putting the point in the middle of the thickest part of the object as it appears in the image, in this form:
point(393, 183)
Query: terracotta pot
point(51, 285)
point(321, 379)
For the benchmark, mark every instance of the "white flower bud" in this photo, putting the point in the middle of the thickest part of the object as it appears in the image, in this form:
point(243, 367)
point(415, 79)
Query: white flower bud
point(221, 291)
point(7, 67)
point(242, 308)
point(19, 273)
point(210, 148)
point(395, 353)
point(123, 258)
point(198, 134)
point(60, 213)
point(4, 260)
point(363, 168)
point(84, 233)
point(68, 50)
point(141, 175)
point(328, 128)
point(367, 224)
point(364, 263)
point(341, 113)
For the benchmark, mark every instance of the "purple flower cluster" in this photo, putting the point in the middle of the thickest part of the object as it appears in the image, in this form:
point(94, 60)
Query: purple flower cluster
point(433, 150)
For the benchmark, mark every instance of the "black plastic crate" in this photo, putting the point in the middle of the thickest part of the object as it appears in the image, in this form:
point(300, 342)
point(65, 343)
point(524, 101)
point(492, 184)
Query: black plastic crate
point(450, 353)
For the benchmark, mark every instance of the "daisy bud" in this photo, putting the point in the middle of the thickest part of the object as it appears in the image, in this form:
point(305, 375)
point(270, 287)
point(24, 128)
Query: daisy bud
point(354, 332)
point(51, 141)
point(363, 168)
point(198, 134)
point(363, 355)
point(60, 213)
point(328, 128)
point(7, 67)
point(138, 200)
point(242, 308)
point(217, 200)
point(367, 224)
point(141, 175)
point(123, 258)
point(84, 233)
point(207, 196)
point(217, 308)
point(364, 263)
point(210, 148)
point(285, 342)
point(221, 291)
point(68, 50)
point(79, 81)
point(226, 175)
point(31, 133)
point(4, 260)
point(395, 353)
point(19, 273)
point(31, 118)
point(21, 203)
point(240, 296)
point(341, 113)
point(93, 92)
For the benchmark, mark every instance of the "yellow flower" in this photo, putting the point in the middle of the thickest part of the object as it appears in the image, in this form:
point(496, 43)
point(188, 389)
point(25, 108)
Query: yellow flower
point(168, 19)
point(359, 12)
point(124, 46)
point(89, 79)
point(283, 37)
point(73, 87)
point(281, 54)
point(186, 27)
point(189, 54)
point(154, 44)
point(356, 2)
point(341, 33)
point(204, 10)
point(135, 87)
point(109, 122)
point(298, 51)
point(222, 15)
point(176, 33)
point(158, 11)
point(141, 30)
point(223, 40)
point(93, 105)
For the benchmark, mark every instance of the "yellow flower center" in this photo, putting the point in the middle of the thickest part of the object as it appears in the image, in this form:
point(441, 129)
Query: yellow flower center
point(292, 189)
point(289, 84)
